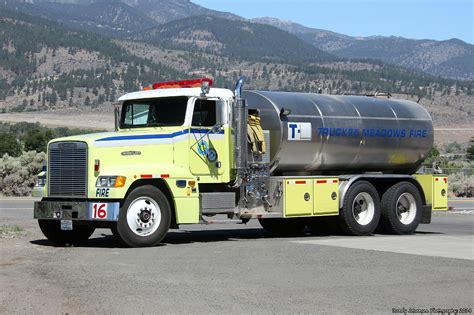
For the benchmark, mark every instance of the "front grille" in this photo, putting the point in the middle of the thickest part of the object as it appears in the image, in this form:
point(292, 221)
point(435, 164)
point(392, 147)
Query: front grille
point(67, 171)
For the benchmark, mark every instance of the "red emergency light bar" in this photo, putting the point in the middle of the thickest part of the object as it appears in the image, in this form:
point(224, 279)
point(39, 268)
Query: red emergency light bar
point(181, 83)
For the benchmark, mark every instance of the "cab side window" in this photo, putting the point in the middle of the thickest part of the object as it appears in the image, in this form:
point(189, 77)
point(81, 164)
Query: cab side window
point(204, 114)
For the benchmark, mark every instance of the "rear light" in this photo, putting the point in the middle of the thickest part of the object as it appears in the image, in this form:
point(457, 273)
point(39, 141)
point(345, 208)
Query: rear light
point(96, 165)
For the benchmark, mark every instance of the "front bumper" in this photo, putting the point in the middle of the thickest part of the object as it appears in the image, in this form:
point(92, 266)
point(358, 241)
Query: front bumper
point(77, 210)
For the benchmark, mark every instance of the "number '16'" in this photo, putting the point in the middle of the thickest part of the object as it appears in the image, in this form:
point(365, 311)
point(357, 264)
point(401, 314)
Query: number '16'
point(100, 211)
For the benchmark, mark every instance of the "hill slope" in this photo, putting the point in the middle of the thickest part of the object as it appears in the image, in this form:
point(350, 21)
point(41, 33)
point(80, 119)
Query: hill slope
point(451, 58)
point(107, 17)
point(239, 39)
point(44, 65)
point(47, 66)
point(163, 11)
point(113, 17)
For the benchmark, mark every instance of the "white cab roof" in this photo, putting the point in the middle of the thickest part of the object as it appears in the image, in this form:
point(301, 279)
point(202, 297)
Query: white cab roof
point(196, 92)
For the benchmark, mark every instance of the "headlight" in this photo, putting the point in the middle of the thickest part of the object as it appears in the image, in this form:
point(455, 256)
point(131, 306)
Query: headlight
point(110, 181)
point(41, 181)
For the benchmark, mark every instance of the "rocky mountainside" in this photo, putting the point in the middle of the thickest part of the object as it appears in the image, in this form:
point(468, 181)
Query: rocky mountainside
point(44, 65)
point(108, 17)
point(163, 11)
point(48, 66)
point(112, 17)
point(121, 18)
point(450, 58)
point(234, 38)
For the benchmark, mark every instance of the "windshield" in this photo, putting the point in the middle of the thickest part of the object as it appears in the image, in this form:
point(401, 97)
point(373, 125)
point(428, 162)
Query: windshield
point(165, 111)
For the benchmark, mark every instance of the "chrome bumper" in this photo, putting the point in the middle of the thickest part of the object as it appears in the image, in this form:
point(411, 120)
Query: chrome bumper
point(77, 210)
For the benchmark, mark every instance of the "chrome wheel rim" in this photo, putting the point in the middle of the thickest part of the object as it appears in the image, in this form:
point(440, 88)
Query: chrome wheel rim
point(143, 216)
point(406, 208)
point(363, 208)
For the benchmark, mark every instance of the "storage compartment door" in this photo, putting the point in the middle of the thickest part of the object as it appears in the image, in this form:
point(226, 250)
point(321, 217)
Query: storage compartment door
point(298, 197)
point(440, 193)
point(326, 196)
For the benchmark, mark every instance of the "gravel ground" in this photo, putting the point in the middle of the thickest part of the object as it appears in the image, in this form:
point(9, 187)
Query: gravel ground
point(235, 269)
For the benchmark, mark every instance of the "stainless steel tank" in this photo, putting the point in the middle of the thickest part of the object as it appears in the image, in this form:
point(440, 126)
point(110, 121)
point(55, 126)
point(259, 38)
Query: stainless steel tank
point(326, 134)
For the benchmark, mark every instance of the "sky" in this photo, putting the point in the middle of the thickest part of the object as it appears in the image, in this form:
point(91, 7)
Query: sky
point(418, 19)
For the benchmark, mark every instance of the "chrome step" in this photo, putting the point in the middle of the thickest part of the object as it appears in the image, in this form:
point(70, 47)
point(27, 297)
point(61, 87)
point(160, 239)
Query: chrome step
point(220, 221)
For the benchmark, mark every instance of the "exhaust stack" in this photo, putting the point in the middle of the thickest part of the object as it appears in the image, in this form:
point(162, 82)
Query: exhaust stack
point(239, 114)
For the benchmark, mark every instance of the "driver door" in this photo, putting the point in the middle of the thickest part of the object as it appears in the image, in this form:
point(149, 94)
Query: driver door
point(208, 147)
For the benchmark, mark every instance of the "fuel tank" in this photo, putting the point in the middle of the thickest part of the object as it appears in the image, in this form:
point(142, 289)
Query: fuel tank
point(326, 134)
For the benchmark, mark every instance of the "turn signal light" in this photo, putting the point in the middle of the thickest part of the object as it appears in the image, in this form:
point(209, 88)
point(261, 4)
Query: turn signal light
point(120, 181)
point(111, 181)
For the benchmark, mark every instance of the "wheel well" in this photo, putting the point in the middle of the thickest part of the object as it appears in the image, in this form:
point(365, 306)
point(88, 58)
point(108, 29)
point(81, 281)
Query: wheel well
point(382, 184)
point(163, 187)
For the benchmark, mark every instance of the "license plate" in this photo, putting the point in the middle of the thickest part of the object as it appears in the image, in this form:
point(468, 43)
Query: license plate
point(66, 225)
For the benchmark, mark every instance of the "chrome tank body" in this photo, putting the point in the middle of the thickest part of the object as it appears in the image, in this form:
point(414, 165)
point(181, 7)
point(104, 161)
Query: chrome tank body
point(326, 134)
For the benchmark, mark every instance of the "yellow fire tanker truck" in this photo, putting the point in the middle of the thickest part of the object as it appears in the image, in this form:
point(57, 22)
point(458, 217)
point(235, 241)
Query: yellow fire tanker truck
point(184, 151)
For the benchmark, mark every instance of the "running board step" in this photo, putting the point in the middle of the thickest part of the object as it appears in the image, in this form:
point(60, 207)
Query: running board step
point(221, 221)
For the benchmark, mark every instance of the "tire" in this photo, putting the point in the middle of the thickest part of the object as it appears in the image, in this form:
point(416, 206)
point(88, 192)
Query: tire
point(361, 210)
point(145, 217)
point(52, 230)
point(401, 209)
point(283, 226)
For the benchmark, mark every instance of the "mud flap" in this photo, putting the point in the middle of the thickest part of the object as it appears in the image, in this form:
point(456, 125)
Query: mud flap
point(426, 214)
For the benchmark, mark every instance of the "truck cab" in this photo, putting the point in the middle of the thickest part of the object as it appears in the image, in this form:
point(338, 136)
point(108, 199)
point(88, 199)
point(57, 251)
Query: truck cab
point(170, 141)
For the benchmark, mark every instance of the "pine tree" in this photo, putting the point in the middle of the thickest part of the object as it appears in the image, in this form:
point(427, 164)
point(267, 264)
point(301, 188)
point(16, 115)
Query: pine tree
point(87, 101)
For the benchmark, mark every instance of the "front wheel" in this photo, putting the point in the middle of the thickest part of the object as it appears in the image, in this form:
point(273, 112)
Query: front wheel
point(144, 218)
point(52, 230)
point(401, 209)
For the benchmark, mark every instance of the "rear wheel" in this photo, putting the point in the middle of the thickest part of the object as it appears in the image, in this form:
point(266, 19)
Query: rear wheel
point(144, 218)
point(401, 209)
point(360, 213)
point(283, 226)
point(52, 230)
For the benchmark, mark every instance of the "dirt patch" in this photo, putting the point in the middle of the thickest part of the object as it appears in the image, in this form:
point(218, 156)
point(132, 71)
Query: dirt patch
point(24, 289)
point(81, 120)
point(10, 231)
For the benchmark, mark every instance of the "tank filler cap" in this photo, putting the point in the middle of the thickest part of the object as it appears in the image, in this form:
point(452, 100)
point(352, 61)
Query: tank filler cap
point(284, 112)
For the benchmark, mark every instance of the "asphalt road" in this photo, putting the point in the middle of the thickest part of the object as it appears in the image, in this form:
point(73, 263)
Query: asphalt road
point(237, 269)
point(461, 204)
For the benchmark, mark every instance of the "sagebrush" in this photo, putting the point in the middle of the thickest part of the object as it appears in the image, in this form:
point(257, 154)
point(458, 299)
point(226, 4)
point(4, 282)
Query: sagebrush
point(18, 174)
point(461, 185)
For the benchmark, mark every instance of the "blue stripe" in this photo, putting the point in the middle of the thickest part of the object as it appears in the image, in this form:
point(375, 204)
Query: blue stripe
point(156, 136)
